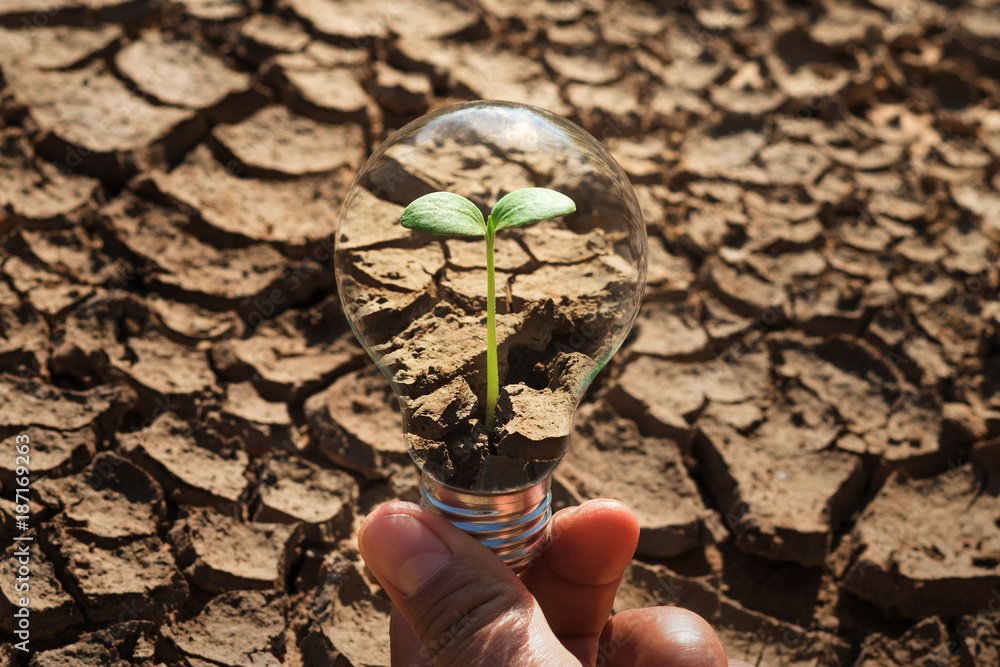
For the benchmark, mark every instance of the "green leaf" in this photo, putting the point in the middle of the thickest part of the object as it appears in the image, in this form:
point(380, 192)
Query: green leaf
point(443, 213)
point(529, 205)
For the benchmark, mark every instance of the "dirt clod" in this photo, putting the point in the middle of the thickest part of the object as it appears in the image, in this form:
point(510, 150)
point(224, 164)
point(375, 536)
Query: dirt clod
point(936, 568)
point(237, 629)
point(220, 553)
point(146, 135)
point(533, 424)
point(296, 491)
point(360, 431)
point(672, 518)
point(140, 573)
point(187, 469)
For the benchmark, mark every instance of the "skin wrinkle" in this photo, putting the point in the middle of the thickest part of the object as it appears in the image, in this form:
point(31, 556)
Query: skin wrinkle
point(483, 603)
point(503, 642)
point(454, 634)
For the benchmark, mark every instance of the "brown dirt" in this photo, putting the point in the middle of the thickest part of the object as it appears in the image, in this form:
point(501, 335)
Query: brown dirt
point(806, 420)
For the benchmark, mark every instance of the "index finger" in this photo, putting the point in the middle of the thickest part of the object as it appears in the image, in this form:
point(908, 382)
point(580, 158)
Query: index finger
point(575, 580)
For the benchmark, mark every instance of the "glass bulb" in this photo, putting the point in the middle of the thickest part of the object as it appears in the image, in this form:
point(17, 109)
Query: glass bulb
point(567, 291)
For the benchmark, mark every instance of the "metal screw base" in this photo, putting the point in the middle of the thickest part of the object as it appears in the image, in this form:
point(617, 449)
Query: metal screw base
point(513, 524)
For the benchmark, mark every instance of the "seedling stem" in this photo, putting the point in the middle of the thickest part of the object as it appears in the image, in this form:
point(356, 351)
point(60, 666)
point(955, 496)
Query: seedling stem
point(492, 372)
point(450, 214)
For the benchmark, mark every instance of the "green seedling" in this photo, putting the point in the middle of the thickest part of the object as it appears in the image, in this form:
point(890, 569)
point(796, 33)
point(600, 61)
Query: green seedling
point(450, 214)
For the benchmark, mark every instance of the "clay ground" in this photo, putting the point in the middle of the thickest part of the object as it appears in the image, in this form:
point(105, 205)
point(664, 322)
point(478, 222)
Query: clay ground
point(805, 419)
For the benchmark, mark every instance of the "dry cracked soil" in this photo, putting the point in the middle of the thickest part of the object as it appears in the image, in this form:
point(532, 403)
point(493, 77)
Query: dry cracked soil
point(806, 419)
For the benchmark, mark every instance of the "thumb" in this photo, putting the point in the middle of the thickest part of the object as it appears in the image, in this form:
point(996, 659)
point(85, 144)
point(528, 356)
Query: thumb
point(464, 606)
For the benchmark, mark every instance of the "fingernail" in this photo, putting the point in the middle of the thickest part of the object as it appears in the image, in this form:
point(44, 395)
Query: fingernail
point(403, 551)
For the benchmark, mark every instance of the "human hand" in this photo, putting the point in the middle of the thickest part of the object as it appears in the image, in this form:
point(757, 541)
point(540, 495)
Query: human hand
point(455, 603)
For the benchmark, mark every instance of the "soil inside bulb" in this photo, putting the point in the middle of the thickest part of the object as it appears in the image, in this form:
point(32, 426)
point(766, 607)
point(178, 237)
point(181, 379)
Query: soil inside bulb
point(445, 428)
point(533, 431)
point(564, 288)
point(542, 379)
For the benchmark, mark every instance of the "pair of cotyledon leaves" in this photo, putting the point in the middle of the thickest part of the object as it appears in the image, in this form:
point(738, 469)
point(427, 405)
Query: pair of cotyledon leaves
point(448, 213)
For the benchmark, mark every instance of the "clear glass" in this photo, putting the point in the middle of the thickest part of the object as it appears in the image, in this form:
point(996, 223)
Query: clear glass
point(567, 290)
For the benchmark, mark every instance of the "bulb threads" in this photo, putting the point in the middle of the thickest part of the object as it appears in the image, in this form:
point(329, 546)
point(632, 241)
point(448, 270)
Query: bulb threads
point(513, 524)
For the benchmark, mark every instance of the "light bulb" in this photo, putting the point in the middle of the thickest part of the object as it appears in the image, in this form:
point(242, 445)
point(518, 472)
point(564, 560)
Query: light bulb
point(567, 290)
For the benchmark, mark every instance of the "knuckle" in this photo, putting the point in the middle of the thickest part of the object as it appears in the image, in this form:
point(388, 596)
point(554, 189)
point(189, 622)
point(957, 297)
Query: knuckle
point(469, 615)
point(502, 642)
